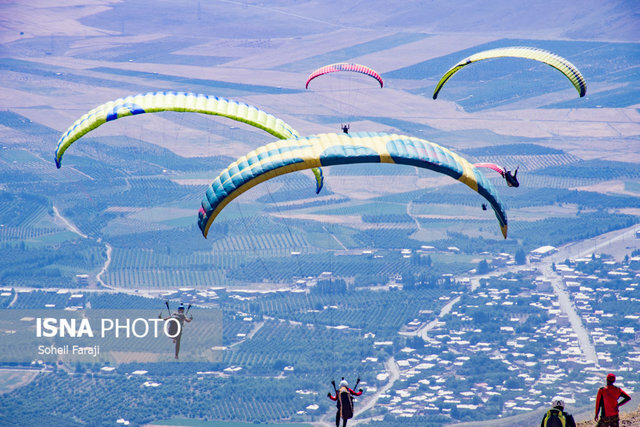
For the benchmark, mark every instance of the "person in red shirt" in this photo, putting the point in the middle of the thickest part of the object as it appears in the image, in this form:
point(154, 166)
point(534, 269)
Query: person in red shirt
point(344, 401)
point(607, 403)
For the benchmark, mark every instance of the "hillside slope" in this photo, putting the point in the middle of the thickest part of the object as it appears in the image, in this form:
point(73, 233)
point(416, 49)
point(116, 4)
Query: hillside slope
point(630, 419)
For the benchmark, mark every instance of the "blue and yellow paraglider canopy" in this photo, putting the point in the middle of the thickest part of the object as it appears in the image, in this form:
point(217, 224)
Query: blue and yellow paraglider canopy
point(154, 102)
point(286, 156)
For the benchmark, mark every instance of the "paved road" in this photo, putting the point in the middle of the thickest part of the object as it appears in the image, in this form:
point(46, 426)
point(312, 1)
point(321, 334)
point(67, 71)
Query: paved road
point(584, 339)
point(394, 374)
point(617, 242)
point(249, 335)
point(423, 330)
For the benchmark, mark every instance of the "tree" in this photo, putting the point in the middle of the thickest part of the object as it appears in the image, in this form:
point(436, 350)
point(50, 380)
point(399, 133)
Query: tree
point(520, 257)
point(331, 286)
point(408, 281)
point(483, 267)
point(279, 365)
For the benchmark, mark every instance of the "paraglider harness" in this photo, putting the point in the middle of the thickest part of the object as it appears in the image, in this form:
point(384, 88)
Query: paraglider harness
point(344, 399)
point(173, 321)
point(512, 180)
point(554, 418)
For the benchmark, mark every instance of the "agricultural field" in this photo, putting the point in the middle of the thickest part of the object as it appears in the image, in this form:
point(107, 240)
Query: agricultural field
point(265, 343)
point(139, 194)
point(12, 379)
point(291, 288)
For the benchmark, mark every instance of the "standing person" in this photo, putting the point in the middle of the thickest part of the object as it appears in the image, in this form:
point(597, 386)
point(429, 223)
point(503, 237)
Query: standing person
point(344, 401)
point(607, 403)
point(556, 416)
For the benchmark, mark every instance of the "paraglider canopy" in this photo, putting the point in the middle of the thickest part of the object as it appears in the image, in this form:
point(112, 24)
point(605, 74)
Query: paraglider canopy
point(286, 156)
point(561, 64)
point(333, 68)
point(154, 102)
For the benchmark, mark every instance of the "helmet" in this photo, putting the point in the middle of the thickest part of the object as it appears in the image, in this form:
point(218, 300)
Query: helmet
point(344, 383)
point(557, 401)
point(181, 306)
point(611, 378)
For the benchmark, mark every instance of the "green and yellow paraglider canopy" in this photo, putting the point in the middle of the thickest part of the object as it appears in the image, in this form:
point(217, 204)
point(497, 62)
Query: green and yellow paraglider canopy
point(541, 55)
point(285, 156)
point(154, 102)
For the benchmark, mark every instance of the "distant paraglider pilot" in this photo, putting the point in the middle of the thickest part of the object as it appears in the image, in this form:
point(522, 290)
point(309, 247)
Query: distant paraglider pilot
point(345, 128)
point(344, 401)
point(177, 318)
point(512, 180)
point(607, 403)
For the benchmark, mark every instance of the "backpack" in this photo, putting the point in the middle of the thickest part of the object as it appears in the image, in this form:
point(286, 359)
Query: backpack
point(554, 418)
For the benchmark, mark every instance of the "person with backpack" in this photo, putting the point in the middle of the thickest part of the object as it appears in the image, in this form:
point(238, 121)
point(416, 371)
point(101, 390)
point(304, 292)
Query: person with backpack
point(344, 401)
point(556, 416)
point(607, 403)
